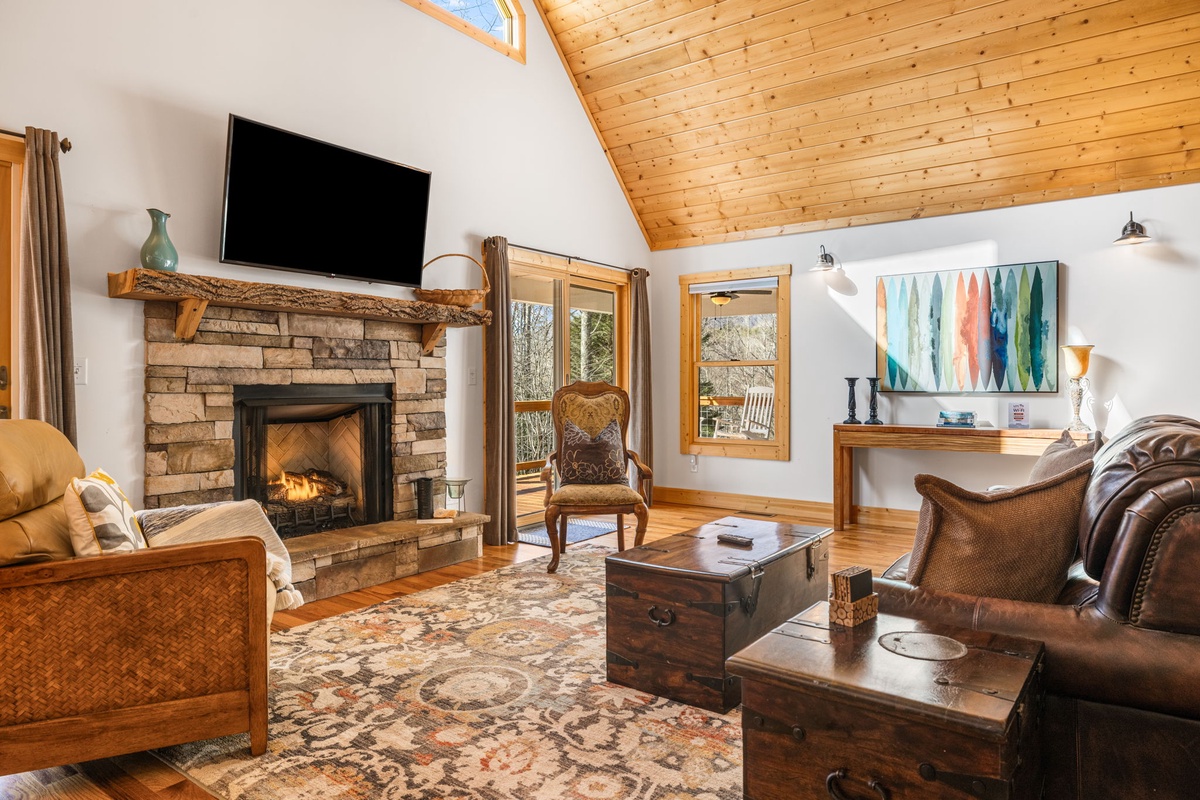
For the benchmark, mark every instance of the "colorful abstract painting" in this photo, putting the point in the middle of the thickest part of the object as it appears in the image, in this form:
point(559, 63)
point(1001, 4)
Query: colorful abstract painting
point(993, 329)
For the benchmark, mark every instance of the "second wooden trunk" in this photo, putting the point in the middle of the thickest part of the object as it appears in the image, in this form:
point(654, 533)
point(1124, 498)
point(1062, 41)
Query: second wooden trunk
point(679, 607)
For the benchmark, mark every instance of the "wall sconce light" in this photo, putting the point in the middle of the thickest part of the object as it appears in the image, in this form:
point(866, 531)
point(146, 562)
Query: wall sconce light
point(1133, 233)
point(824, 262)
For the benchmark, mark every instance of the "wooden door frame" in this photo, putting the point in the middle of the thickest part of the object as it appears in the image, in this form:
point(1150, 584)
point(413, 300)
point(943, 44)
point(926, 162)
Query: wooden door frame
point(575, 273)
point(12, 153)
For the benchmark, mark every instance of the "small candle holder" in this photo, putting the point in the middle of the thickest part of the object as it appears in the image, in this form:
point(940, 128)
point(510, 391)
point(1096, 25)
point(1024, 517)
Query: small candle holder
point(456, 490)
point(874, 418)
point(851, 406)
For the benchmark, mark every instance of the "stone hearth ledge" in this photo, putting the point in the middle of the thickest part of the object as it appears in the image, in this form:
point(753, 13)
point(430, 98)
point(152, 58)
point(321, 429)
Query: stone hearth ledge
point(335, 562)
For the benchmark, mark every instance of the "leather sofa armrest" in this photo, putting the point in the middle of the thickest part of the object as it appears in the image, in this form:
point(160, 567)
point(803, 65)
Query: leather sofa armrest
point(1088, 655)
point(153, 648)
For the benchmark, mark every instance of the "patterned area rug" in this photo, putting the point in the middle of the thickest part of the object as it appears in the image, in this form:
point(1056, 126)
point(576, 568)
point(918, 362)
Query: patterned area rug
point(578, 530)
point(489, 687)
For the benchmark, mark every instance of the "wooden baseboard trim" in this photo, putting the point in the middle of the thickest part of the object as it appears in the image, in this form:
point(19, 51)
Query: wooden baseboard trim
point(810, 511)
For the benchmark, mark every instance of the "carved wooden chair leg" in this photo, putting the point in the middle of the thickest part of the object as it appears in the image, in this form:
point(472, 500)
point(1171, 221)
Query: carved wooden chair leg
point(562, 533)
point(643, 516)
point(552, 534)
point(620, 531)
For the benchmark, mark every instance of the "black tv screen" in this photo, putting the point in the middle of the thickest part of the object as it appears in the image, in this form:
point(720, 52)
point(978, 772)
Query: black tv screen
point(295, 203)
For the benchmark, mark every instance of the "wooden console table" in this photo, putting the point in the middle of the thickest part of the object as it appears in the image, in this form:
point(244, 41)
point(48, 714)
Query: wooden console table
point(1010, 441)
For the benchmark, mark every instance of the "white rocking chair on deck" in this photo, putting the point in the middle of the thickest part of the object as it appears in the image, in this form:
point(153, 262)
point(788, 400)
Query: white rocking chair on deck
point(758, 416)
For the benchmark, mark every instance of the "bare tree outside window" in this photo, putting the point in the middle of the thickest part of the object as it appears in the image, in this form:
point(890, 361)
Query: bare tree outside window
point(483, 14)
point(533, 377)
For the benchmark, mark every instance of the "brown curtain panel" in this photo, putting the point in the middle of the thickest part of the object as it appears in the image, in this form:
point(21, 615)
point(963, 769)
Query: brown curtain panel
point(500, 439)
point(46, 350)
point(641, 416)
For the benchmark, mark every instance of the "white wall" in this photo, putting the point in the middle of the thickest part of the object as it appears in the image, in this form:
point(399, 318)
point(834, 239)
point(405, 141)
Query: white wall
point(1138, 305)
point(143, 88)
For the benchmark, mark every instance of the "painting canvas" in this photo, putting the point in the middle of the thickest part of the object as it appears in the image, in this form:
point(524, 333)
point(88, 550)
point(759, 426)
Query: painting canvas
point(993, 329)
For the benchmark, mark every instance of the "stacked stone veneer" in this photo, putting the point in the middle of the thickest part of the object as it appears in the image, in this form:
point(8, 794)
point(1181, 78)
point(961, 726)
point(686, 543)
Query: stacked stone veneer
point(189, 392)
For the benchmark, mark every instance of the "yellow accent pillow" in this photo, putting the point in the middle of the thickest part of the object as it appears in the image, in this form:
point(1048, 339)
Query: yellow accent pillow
point(100, 517)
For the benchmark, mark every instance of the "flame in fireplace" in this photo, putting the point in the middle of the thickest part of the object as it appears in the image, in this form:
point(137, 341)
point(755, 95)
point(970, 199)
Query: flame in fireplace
point(298, 487)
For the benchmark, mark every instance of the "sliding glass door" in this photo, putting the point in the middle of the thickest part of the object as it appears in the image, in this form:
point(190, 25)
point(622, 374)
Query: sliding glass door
point(566, 326)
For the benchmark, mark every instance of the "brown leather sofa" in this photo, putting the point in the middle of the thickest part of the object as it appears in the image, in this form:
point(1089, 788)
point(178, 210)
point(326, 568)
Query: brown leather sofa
point(117, 653)
point(1122, 712)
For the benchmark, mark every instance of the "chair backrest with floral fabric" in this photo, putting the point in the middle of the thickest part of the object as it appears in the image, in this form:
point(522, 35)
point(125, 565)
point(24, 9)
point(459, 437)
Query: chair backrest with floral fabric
point(591, 407)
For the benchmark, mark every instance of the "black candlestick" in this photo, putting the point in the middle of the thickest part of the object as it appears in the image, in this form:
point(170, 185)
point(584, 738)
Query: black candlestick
point(850, 405)
point(874, 418)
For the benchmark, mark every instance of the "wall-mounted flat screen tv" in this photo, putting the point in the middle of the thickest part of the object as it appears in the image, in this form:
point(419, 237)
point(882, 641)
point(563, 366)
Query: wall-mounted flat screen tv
point(295, 203)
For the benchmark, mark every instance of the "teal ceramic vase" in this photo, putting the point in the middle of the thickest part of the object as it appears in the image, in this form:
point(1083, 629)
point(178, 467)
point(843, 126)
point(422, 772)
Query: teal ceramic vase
point(158, 252)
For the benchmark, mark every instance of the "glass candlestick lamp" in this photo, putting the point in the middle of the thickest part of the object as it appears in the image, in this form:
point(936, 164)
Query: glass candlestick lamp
point(456, 490)
point(1076, 357)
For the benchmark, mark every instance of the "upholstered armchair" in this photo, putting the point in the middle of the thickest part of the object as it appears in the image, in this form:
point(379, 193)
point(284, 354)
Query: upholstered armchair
point(1122, 670)
point(119, 652)
point(591, 420)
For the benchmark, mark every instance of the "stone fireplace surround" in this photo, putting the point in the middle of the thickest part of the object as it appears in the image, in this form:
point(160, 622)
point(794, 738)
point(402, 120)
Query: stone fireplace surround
point(189, 427)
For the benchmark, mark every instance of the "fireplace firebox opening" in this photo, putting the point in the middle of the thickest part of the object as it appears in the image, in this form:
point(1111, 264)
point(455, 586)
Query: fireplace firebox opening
point(316, 457)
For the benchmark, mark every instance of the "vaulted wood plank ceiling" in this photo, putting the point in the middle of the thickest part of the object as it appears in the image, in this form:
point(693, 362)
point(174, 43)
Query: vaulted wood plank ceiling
point(748, 118)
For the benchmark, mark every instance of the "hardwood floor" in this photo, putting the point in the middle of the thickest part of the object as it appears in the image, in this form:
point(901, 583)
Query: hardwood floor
point(141, 776)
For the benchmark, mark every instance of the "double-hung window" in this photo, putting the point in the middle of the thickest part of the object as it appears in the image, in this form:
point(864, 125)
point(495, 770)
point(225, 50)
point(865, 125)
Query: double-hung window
point(734, 361)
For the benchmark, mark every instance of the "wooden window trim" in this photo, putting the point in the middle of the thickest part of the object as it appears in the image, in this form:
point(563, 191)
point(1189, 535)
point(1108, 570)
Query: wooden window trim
point(511, 9)
point(528, 262)
point(690, 442)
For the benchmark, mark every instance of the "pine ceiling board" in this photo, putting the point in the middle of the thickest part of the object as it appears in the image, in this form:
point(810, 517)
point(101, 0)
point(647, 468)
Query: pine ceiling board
point(707, 66)
point(1153, 165)
point(1105, 151)
point(808, 78)
point(722, 124)
point(620, 22)
point(1108, 125)
point(731, 25)
point(562, 16)
point(999, 195)
point(912, 13)
point(706, 46)
point(908, 102)
point(833, 163)
point(641, 29)
point(931, 61)
point(1146, 93)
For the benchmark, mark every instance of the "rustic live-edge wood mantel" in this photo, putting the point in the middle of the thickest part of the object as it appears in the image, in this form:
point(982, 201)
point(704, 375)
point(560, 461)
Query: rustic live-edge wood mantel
point(194, 293)
point(1009, 441)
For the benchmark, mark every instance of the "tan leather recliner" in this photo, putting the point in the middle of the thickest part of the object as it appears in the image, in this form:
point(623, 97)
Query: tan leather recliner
point(1122, 713)
point(139, 650)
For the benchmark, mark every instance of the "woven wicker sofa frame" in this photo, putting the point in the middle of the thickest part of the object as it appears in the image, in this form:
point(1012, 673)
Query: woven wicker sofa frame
point(121, 653)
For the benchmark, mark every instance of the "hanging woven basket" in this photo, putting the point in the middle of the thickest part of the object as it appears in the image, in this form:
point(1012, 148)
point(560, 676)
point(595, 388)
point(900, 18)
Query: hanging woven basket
point(455, 297)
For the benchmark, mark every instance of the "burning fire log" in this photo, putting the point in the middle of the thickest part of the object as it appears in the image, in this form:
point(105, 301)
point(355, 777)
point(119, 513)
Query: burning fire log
point(303, 488)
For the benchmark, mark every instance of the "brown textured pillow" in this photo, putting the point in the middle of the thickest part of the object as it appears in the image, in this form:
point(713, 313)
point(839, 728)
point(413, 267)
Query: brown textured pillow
point(1015, 544)
point(1062, 454)
point(583, 459)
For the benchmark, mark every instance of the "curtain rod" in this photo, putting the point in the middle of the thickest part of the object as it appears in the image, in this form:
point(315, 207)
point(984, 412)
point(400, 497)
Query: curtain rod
point(572, 258)
point(64, 144)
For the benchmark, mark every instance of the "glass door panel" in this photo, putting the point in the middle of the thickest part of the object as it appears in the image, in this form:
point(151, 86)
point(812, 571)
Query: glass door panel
point(536, 344)
point(592, 335)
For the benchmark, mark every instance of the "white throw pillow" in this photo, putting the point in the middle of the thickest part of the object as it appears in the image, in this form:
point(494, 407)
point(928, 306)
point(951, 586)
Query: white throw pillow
point(100, 517)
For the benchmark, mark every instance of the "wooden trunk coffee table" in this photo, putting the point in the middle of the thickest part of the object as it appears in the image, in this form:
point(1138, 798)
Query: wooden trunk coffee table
point(891, 709)
point(677, 608)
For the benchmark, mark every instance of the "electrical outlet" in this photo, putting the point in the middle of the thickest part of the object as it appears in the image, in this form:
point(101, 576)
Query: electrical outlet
point(472, 376)
point(81, 371)
point(695, 464)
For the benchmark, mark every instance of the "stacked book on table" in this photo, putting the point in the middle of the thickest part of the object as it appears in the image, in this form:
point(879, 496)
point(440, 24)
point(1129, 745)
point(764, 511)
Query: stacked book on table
point(956, 419)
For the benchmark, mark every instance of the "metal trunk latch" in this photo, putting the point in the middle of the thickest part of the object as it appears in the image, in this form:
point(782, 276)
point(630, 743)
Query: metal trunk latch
point(749, 604)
